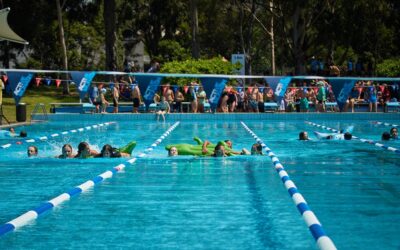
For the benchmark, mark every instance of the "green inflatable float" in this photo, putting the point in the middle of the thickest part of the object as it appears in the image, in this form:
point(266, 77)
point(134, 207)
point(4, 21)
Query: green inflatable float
point(128, 148)
point(196, 149)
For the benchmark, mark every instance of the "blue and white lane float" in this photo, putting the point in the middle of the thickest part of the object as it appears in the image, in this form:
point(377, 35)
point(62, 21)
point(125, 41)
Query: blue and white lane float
point(45, 138)
point(377, 144)
point(33, 214)
point(386, 124)
point(315, 227)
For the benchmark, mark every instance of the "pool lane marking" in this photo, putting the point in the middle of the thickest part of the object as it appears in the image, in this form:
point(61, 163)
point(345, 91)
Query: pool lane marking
point(377, 144)
point(315, 227)
point(45, 138)
point(386, 124)
point(33, 214)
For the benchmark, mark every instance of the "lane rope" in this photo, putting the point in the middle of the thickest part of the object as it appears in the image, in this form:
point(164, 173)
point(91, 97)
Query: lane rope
point(33, 214)
point(47, 137)
point(385, 124)
point(377, 144)
point(311, 220)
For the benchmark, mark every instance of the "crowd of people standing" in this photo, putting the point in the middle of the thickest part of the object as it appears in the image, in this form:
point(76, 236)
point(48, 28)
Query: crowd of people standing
point(300, 96)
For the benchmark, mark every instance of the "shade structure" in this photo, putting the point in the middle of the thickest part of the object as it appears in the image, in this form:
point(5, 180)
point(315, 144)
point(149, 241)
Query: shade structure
point(6, 33)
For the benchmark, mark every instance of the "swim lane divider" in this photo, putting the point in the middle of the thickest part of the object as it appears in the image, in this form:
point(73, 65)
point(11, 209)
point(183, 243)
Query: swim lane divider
point(386, 124)
point(33, 214)
point(45, 138)
point(315, 227)
point(380, 145)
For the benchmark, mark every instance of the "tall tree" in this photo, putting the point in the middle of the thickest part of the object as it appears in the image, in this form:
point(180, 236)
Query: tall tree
point(110, 34)
point(195, 29)
point(299, 18)
point(63, 46)
point(272, 37)
point(246, 31)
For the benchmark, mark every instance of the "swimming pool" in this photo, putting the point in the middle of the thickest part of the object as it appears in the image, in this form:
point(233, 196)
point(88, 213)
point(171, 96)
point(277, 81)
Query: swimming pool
point(197, 203)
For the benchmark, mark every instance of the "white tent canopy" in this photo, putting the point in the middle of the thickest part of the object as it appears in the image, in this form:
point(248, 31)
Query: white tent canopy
point(6, 33)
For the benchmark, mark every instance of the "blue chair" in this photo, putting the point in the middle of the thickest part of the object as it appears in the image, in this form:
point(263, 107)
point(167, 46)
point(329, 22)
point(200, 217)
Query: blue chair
point(153, 107)
point(270, 106)
point(331, 106)
point(392, 106)
point(207, 107)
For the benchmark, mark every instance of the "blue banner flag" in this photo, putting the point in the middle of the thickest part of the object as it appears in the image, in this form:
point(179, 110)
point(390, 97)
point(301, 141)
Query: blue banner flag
point(148, 85)
point(272, 81)
point(48, 81)
point(18, 82)
point(214, 87)
point(83, 79)
point(281, 87)
point(342, 88)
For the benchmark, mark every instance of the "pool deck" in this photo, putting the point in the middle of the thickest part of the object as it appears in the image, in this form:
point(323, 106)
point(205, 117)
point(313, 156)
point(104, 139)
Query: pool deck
point(224, 117)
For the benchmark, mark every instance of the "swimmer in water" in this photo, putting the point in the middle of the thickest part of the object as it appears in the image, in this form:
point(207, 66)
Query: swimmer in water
point(303, 136)
point(228, 143)
point(32, 151)
point(67, 152)
point(219, 151)
point(109, 152)
point(385, 136)
point(84, 151)
point(173, 151)
point(334, 136)
point(394, 133)
point(256, 149)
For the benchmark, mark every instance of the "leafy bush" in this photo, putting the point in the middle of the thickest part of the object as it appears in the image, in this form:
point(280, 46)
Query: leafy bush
point(389, 68)
point(172, 50)
point(215, 65)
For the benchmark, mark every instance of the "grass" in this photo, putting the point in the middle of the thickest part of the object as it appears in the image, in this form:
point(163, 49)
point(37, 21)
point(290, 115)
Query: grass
point(34, 95)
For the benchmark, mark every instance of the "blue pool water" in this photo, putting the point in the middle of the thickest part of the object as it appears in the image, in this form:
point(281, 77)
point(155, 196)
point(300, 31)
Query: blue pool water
point(204, 203)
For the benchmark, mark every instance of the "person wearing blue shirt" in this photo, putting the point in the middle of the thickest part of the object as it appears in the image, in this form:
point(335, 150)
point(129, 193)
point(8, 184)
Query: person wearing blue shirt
point(350, 67)
point(93, 93)
point(314, 66)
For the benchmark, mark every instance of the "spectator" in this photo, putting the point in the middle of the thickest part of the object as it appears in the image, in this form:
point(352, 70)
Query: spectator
point(168, 93)
point(154, 68)
point(314, 65)
point(321, 96)
point(253, 98)
point(260, 101)
point(359, 68)
point(103, 101)
point(350, 67)
point(371, 97)
point(115, 95)
point(201, 99)
point(94, 96)
point(223, 102)
point(164, 109)
point(193, 96)
point(1, 92)
point(269, 93)
point(334, 70)
point(136, 98)
point(179, 98)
